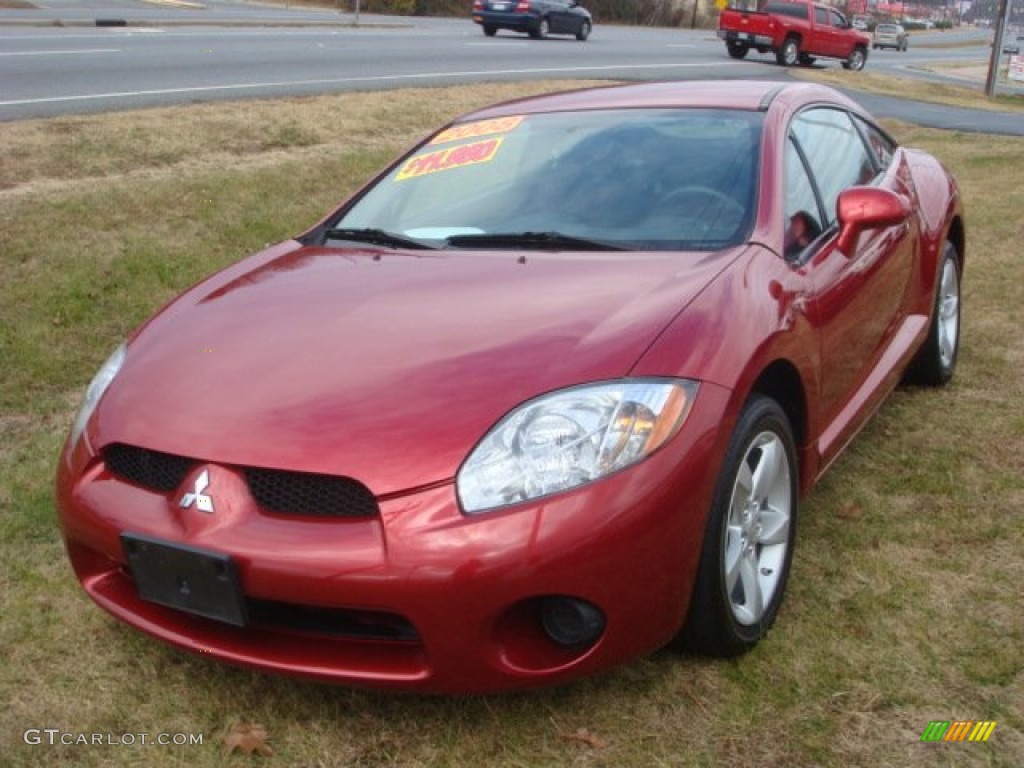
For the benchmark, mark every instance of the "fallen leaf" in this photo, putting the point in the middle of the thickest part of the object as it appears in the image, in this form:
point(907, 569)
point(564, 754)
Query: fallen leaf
point(851, 512)
point(583, 736)
point(248, 738)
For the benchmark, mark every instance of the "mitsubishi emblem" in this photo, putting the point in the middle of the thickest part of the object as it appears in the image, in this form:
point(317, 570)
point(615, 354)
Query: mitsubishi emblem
point(203, 502)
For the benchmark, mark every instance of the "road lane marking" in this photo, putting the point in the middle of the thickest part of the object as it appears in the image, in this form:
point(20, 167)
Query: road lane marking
point(60, 53)
point(351, 80)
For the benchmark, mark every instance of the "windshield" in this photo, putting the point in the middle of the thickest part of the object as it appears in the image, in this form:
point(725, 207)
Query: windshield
point(665, 179)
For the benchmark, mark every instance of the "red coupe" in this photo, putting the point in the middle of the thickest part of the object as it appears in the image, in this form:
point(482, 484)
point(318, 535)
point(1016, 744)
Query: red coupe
point(540, 398)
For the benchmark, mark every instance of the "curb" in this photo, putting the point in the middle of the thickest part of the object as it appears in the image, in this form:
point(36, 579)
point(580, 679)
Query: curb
point(177, 4)
point(194, 23)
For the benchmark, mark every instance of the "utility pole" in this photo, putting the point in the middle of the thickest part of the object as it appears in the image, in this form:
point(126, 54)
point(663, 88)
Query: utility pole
point(997, 49)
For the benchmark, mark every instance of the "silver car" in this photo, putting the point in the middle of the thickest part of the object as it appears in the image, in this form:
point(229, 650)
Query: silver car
point(890, 36)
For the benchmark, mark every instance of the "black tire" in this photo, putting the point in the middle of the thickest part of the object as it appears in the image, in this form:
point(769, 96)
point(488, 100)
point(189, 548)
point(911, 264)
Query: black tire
point(490, 31)
point(935, 362)
point(756, 533)
point(805, 60)
point(737, 50)
point(857, 59)
point(542, 30)
point(789, 54)
point(584, 32)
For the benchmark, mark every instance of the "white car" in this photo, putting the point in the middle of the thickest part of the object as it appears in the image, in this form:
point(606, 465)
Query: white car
point(890, 36)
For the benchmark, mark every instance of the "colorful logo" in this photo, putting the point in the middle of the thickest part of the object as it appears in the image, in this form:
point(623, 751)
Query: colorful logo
point(958, 730)
point(197, 496)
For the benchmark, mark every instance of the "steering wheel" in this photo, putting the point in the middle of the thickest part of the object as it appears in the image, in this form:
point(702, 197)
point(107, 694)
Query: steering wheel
point(694, 197)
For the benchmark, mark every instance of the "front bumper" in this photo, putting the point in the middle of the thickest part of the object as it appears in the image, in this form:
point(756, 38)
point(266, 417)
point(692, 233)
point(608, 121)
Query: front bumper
point(420, 597)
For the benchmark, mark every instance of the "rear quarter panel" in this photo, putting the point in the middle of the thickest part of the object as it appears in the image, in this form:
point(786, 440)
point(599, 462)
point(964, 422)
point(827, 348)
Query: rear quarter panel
point(941, 213)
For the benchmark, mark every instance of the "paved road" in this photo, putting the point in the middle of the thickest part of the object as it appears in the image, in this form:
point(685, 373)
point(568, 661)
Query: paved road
point(170, 54)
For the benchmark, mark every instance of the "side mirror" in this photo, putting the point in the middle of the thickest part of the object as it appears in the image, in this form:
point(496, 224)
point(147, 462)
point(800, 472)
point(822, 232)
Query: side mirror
point(861, 208)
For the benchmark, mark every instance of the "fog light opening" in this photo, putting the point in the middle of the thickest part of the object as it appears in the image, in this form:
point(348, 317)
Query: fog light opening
point(571, 622)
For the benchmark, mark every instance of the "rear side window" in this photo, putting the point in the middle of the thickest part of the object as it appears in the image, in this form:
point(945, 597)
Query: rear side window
point(794, 10)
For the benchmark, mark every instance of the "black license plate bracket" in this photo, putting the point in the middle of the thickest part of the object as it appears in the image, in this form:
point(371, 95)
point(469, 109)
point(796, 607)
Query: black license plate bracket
point(197, 581)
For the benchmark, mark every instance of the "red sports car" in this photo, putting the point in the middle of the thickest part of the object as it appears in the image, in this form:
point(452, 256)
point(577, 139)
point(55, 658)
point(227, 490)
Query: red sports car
point(540, 398)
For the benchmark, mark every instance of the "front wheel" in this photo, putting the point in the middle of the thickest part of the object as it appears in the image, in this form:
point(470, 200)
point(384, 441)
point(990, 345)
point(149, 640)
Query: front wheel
point(748, 542)
point(936, 360)
point(584, 32)
point(856, 60)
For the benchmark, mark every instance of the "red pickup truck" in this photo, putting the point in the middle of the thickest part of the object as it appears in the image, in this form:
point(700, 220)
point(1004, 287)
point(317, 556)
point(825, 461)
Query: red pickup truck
point(796, 31)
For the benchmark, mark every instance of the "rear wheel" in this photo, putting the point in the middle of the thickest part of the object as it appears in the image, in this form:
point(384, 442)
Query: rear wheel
point(542, 30)
point(490, 31)
point(789, 54)
point(748, 543)
point(737, 50)
point(805, 60)
point(584, 32)
point(936, 360)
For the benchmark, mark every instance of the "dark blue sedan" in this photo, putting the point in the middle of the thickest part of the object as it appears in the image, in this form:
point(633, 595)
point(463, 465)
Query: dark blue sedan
point(537, 18)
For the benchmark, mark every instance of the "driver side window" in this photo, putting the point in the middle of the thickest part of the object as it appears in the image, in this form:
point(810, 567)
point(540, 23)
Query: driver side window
point(803, 216)
point(836, 155)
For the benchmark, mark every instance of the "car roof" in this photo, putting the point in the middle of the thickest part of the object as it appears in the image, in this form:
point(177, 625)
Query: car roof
point(749, 95)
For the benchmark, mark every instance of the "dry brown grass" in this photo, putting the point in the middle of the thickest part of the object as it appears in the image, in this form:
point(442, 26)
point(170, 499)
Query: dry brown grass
point(155, 143)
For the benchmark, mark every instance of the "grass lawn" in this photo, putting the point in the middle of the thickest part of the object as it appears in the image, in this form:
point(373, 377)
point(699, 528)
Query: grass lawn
point(906, 602)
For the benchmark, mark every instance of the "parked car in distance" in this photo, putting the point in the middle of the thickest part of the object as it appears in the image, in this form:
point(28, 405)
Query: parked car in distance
point(864, 23)
point(796, 31)
point(542, 397)
point(890, 36)
point(536, 18)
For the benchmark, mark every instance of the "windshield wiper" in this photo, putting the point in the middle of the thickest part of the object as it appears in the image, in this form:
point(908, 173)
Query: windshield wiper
point(376, 237)
point(541, 240)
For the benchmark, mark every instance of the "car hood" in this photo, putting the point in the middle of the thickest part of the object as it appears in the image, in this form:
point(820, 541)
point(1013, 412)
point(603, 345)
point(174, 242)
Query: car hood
point(383, 366)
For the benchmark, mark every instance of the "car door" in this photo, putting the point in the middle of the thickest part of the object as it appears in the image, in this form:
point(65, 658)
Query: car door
point(824, 35)
point(857, 299)
point(829, 29)
point(560, 17)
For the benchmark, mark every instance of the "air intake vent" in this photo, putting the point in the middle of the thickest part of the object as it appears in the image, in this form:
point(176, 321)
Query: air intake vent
point(156, 471)
point(298, 493)
point(288, 493)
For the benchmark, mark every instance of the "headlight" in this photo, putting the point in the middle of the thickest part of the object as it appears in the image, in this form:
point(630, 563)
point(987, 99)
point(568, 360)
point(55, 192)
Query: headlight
point(97, 387)
point(568, 438)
